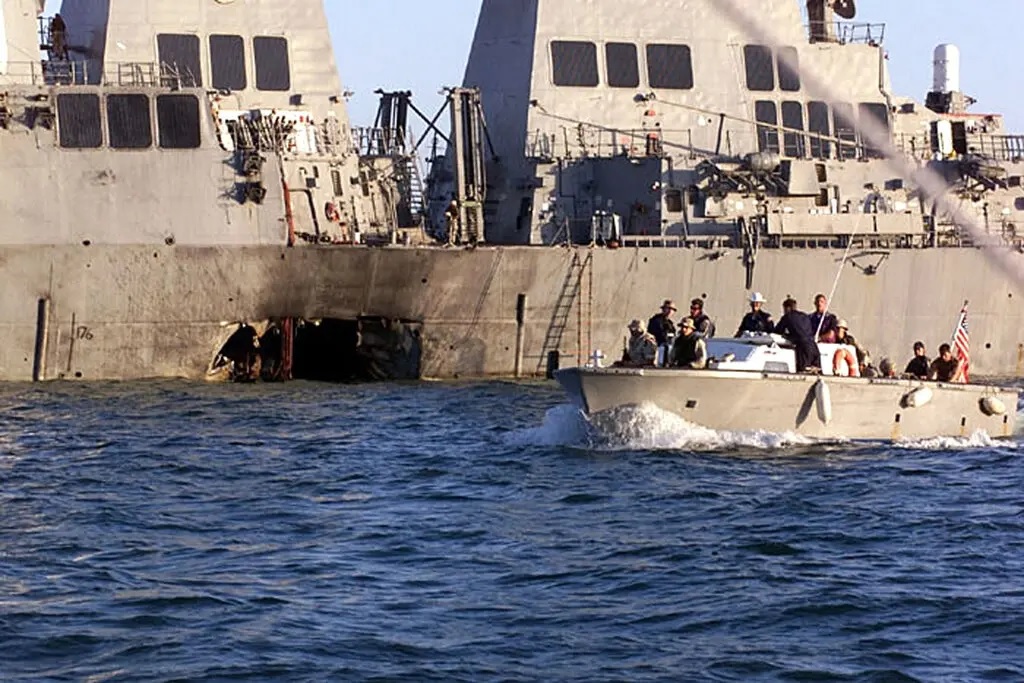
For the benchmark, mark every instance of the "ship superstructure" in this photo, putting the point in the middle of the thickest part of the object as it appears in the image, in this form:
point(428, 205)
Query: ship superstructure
point(667, 123)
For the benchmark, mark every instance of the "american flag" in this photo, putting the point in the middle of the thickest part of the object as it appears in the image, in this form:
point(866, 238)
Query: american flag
point(962, 342)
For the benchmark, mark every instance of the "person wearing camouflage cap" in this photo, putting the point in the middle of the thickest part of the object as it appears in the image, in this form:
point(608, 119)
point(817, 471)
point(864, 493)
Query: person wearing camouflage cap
point(689, 351)
point(641, 349)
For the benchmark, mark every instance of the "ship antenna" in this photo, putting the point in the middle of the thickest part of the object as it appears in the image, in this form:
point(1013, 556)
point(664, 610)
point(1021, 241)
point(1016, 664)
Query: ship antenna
point(839, 272)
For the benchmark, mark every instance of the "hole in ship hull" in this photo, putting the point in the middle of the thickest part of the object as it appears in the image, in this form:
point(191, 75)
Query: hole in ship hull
point(321, 350)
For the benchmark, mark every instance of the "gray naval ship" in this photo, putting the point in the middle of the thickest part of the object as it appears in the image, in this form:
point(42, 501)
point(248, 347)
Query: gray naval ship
point(186, 197)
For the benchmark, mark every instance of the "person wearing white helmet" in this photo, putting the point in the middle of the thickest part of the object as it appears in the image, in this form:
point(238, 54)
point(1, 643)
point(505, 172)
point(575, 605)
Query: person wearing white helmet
point(758, 320)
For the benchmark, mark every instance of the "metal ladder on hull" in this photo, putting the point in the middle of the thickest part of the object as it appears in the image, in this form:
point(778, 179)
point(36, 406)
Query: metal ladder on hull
point(568, 297)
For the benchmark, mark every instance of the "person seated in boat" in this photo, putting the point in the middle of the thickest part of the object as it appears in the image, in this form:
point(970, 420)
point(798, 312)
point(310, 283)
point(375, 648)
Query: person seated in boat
point(887, 369)
point(758, 321)
point(843, 336)
point(661, 325)
point(919, 365)
point(642, 348)
point(689, 351)
point(796, 326)
point(702, 323)
point(946, 368)
point(823, 322)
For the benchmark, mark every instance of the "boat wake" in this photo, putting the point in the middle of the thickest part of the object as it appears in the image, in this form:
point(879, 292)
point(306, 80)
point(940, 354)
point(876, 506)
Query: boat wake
point(645, 427)
point(975, 441)
point(649, 428)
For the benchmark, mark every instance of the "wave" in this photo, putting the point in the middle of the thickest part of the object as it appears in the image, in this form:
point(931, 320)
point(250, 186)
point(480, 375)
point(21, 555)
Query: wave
point(649, 428)
point(644, 427)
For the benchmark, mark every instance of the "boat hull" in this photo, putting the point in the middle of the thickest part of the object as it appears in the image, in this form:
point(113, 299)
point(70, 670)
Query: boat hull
point(826, 408)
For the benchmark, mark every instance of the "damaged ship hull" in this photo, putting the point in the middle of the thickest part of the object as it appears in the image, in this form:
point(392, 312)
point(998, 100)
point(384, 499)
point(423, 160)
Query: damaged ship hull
point(125, 312)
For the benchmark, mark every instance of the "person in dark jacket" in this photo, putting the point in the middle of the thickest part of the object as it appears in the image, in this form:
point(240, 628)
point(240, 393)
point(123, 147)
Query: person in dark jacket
point(823, 319)
point(919, 364)
point(689, 351)
point(796, 327)
point(757, 320)
point(58, 37)
point(661, 325)
point(702, 323)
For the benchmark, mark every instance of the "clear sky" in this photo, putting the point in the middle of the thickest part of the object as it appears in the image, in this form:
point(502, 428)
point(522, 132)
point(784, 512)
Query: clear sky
point(422, 45)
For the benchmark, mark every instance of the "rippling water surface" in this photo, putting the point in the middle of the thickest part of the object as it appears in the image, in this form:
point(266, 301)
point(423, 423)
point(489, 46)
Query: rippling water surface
point(471, 532)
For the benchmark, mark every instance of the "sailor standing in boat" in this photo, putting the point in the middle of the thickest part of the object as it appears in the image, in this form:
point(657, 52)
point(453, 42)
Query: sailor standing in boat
point(825, 324)
point(689, 351)
point(758, 321)
point(796, 327)
point(661, 325)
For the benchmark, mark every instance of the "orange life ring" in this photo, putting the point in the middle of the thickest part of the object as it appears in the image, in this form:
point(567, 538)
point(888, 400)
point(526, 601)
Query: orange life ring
point(332, 212)
point(844, 355)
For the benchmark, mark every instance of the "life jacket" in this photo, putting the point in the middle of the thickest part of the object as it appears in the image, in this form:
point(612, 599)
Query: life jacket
point(686, 349)
point(700, 321)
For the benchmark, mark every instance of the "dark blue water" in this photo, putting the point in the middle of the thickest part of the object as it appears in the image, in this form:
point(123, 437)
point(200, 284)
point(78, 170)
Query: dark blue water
point(478, 532)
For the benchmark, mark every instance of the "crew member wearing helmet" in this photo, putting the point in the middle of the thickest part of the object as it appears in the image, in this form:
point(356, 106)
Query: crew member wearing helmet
point(758, 320)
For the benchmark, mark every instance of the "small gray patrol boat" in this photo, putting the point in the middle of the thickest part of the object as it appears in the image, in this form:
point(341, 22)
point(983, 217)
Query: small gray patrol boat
point(751, 384)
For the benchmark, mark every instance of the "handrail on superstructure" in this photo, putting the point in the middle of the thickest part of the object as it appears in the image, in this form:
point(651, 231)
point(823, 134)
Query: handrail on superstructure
point(115, 74)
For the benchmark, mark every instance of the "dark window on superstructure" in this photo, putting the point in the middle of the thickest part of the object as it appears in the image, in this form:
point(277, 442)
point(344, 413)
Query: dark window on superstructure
point(793, 144)
point(623, 65)
point(879, 113)
point(818, 123)
point(767, 117)
point(574, 63)
point(227, 63)
point(78, 118)
point(760, 67)
point(670, 67)
point(846, 129)
point(177, 118)
point(789, 69)
point(129, 124)
point(179, 55)
point(273, 70)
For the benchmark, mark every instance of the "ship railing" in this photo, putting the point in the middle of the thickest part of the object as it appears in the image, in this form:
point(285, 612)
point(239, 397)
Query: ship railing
point(114, 74)
point(736, 141)
point(999, 147)
point(43, 73)
point(1008, 148)
point(709, 242)
point(600, 141)
point(377, 141)
point(860, 33)
point(850, 32)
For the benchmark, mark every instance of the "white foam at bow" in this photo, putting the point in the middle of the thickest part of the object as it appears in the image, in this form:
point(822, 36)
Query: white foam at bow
point(644, 427)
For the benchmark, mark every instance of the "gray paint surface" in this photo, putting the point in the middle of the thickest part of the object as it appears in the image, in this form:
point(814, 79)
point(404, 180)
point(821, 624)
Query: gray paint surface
point(156, 254)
